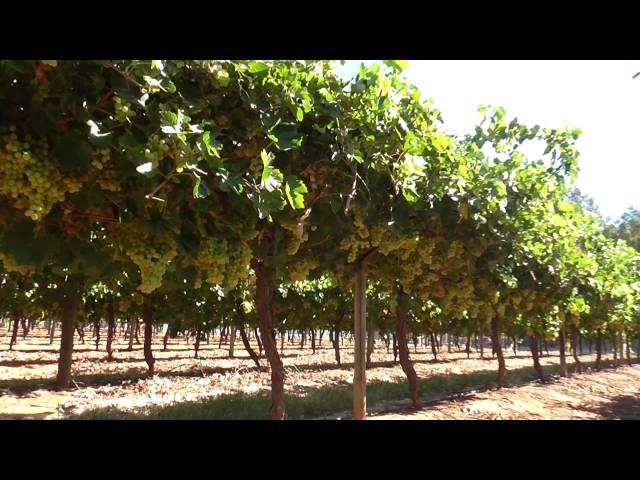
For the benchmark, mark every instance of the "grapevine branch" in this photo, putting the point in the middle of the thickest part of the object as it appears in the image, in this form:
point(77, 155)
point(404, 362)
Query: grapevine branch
point(157, 189)
point(353, 192)
point(366, 255)
point(126, 75)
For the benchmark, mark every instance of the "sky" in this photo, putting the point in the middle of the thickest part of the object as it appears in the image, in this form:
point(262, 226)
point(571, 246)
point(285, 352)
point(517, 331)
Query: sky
point(599, 97)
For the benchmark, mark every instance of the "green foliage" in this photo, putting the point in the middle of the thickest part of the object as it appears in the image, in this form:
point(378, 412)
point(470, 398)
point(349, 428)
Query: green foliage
point(164, 181)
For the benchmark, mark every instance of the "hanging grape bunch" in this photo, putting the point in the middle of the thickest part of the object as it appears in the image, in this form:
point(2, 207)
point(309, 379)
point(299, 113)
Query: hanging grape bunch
point(152, 254)
point(29, 176)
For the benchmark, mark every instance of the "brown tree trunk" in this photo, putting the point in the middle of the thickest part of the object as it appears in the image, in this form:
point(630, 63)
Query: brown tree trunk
point(563, 360)
point(313, 340)
point(110, 331)
point(395, 347)
point(264, 310)
point(574, 334)
point(482, 344)
point(69, 318)
point(96, 329)
point(468, 346)
point(196, 345)
point(533, 345)
point(247, 346)
point(165, 339)
point(497, 348)
point(620, 347)
point(370, 344)
point(546, 345)
point(25, 327)
point(147, 318)
point(320, 338)
point(137, 331)
point(80, 330)
point(615, 349)
point(257, 335)
point(434, 350)
point(221, 337)
point(14, 333)
point(515, 347)
point(620, 343)
point(232, 341)
point(598, 364)
point(132, 327)
point(403, 347)
point(628, 343)
point(52, 331)
point(336, 338)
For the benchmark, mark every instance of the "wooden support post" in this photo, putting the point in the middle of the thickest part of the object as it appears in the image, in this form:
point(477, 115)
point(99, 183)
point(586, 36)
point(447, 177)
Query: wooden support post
point(232, 341)
point(360, 350)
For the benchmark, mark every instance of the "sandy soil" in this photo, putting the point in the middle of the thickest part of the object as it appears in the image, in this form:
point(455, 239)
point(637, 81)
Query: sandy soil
point(610, 394)
point(26, 374)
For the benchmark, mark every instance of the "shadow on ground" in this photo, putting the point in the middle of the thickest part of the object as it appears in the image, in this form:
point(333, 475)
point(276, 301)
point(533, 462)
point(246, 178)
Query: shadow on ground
point(318, 402)
point(622, 407)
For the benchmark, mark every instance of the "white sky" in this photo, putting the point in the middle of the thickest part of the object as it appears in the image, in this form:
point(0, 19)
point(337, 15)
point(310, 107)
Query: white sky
point(599, 97)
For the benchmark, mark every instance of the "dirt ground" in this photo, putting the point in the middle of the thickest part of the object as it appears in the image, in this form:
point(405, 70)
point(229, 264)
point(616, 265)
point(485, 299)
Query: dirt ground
point(27, 372)
point(611, 394)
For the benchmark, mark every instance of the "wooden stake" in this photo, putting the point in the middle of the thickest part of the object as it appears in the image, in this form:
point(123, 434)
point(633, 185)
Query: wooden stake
point(360, 350)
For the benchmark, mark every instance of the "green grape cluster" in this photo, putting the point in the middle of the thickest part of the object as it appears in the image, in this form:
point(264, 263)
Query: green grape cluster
point(211, 260)
point(386, 240)
point(358, 241)
point(459, 298)
point(299, 271)
point(295, 240)
point(72, 184)
point(11, 266)
point(157, 148)
point(222, 77)
point(108, 176)
point(219, 76)
point(152, 256)
point(318, 178)
point(248, 231)
point(354, 246)
point(109, 180)
point(29, 176)
point(476, 246)
point(137, 299)
point(102, 159)
point(122, 110)
point(238, 266)
point(219, 263)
